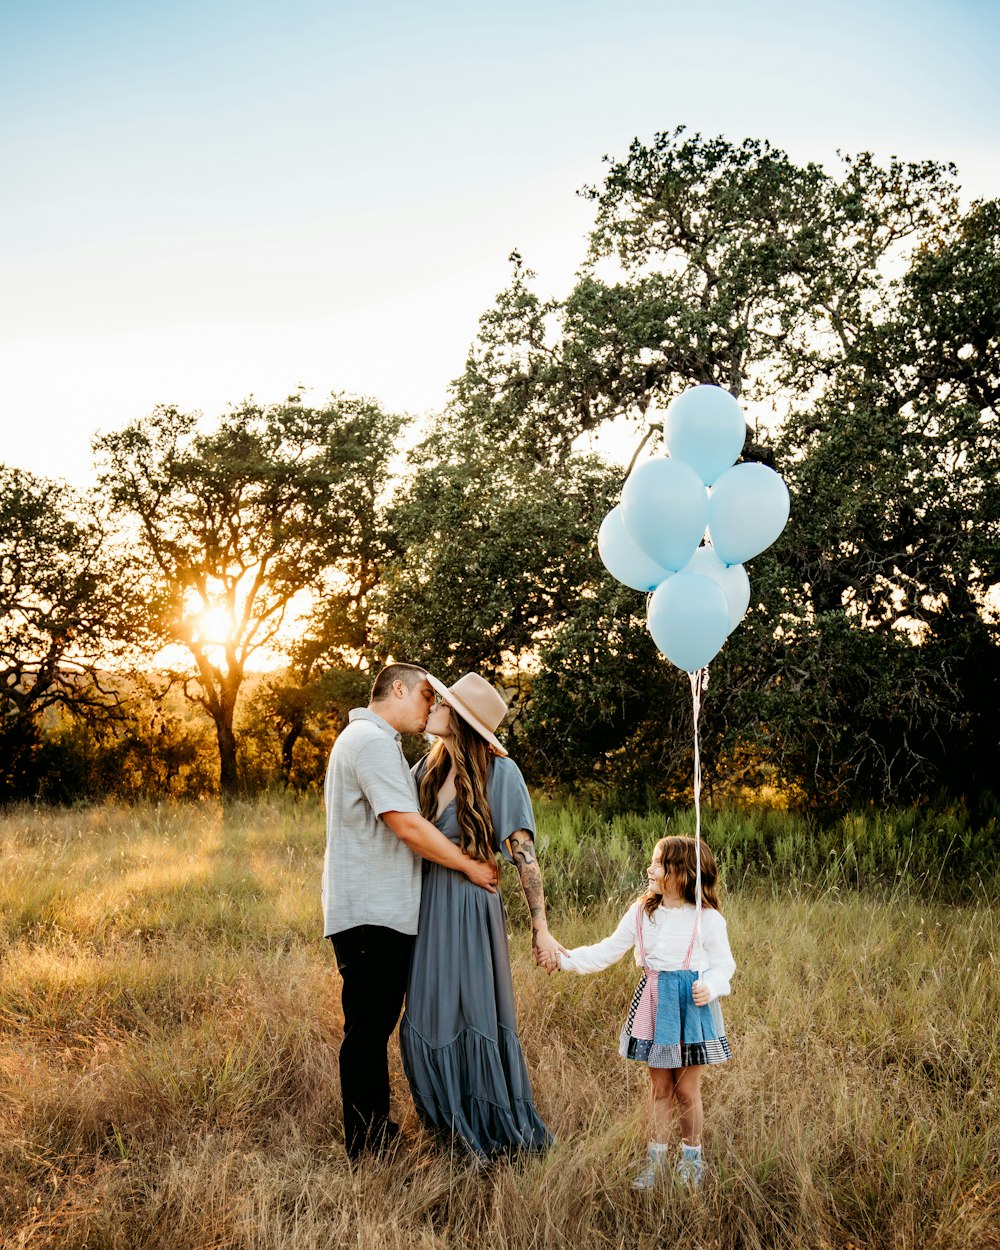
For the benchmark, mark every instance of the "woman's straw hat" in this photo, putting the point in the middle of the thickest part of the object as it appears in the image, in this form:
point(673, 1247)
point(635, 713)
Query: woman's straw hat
point(478, 704)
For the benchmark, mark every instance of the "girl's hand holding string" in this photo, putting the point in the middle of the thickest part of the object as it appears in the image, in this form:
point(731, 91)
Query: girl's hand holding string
point(701, 994)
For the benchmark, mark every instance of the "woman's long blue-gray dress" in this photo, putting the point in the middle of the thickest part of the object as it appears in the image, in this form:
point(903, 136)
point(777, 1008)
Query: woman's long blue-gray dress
point(458, 1039)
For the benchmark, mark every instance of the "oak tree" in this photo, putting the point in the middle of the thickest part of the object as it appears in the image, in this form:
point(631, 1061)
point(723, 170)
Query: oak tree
point(238, 525)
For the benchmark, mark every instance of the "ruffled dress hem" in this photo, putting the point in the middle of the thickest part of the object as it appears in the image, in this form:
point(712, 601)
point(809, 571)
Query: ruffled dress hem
point(501, 1118)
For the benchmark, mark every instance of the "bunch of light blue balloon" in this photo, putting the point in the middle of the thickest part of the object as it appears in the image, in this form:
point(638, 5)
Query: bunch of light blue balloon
point(655, 539)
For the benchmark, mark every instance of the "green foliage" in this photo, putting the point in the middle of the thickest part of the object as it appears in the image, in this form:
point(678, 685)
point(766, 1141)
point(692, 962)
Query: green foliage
point(65, 611)
point(894, 546)
point(289, 724)
point(493, 552)
point(725, 263)
point(865, 308)
point(155, 747)
point(593, 860)
point(608, 716)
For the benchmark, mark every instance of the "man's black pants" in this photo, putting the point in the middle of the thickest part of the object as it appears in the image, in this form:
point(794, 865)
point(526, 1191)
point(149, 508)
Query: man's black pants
point(374, 963)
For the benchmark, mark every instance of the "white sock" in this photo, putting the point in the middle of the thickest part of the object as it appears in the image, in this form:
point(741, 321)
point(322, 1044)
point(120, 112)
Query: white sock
point(657, 1149)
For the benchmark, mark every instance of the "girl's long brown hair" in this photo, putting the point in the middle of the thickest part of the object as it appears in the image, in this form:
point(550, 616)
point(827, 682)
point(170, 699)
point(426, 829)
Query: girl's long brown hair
point(473, 763)
point(678, 853)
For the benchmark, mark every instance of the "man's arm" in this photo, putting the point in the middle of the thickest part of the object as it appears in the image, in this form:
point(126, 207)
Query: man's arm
point(427, 841)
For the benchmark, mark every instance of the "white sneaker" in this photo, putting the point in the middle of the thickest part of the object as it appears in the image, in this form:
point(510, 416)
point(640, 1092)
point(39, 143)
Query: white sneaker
point(691, 1166)
point(647, 1178)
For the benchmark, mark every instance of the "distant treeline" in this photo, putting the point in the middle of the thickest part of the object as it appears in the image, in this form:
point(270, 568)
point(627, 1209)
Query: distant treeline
point(861, 308)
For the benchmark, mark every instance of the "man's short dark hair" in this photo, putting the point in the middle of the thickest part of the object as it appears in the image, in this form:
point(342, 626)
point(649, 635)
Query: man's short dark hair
point(409, 674)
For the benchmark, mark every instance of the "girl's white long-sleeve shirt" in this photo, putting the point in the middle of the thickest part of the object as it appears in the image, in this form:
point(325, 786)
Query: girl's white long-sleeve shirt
point(666, 936)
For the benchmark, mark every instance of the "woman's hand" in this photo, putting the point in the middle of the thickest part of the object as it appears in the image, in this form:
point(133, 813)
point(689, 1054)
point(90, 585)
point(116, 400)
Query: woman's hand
point(701, 994)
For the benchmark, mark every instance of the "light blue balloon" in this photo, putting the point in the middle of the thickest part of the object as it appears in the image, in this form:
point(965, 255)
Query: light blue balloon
point(665, 510)
point(747, 511)
point(732, 580)
point(689, 620)
point(623, 558)
point(705, 428)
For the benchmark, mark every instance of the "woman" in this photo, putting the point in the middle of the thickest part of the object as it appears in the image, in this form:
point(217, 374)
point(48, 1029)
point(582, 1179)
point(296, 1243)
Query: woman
point(458, 1038)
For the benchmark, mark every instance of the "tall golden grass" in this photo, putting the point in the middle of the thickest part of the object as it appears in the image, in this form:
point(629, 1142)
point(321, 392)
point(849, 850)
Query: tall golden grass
point(169, 1024)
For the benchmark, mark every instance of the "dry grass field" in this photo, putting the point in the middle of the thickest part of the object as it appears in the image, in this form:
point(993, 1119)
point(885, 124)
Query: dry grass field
point(169, 1023)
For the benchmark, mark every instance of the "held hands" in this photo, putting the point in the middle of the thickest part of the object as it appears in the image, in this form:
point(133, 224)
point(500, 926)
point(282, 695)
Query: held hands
point(701, 994)
point(546, 950)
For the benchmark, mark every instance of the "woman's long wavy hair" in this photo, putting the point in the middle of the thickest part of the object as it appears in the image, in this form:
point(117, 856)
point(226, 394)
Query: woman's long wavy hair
point(473, 764)
point(677, 854)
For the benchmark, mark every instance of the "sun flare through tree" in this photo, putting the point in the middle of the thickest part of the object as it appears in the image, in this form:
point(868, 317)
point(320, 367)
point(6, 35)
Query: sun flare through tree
point(234, 524)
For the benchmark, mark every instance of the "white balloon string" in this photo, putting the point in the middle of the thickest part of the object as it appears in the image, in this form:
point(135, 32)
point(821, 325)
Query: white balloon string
point(698, 682)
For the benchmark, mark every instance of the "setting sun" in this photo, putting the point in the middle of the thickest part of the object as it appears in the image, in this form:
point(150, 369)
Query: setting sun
point(214, 625)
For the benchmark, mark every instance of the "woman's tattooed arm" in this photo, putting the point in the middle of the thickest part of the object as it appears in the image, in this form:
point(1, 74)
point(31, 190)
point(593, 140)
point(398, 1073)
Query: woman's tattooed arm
point(522, 851)
point(521, 846)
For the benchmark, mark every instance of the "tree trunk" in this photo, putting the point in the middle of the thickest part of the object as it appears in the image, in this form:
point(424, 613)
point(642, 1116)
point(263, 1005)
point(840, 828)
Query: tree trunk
point(228, 779)
point(288, 747)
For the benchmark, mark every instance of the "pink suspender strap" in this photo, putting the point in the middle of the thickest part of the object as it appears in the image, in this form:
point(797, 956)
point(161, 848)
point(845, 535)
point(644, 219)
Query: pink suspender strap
point(638, 937)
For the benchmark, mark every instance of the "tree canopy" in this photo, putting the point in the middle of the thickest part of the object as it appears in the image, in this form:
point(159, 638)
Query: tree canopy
point(492, 551)
point(862, 309)
point(709, 262)
point(65, 608)
point(234, 524)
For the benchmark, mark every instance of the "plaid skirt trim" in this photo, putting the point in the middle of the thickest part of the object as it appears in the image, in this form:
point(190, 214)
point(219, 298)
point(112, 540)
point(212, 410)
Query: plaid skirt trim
point(684, 1055)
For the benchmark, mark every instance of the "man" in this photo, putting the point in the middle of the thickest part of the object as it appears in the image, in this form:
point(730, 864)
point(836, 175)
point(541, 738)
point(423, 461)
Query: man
point(375, 840)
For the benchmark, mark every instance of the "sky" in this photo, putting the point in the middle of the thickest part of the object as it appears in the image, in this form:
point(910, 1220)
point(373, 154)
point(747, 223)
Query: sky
point(206, 200)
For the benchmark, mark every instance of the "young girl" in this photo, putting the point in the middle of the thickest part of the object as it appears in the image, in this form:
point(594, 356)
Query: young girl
point(674, 1023)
